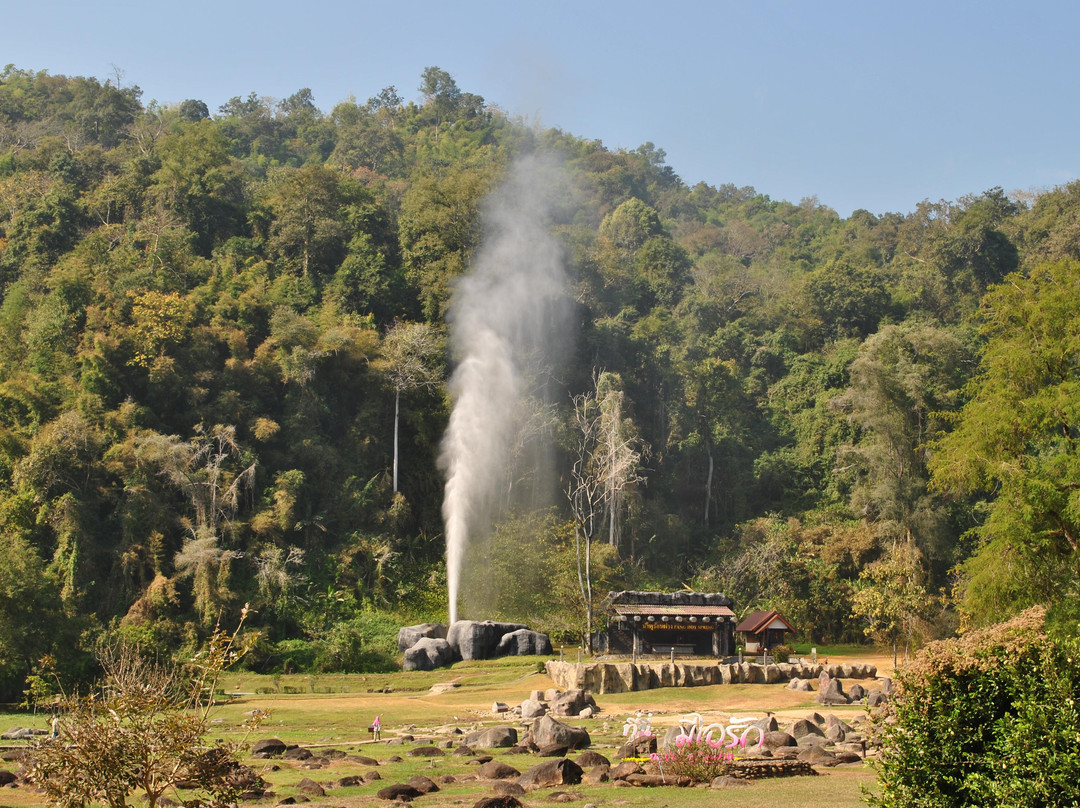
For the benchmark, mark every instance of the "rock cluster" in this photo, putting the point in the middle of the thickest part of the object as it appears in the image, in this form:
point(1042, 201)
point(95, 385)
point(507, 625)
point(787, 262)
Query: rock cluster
point(831, 691)
point(432, 645)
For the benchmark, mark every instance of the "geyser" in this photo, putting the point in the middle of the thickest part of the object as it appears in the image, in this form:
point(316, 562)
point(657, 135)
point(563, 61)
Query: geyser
point(505, 313)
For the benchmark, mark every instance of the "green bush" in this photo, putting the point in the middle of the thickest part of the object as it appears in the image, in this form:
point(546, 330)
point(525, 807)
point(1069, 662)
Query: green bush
point(294, 656)
point(990, 719)
point(365, 644)
point(782, 653)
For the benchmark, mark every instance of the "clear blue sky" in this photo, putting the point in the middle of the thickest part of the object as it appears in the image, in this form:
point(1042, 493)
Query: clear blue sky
point(862, 104)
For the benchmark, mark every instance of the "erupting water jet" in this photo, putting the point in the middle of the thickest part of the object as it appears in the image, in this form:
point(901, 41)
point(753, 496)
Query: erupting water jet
point(508, 307)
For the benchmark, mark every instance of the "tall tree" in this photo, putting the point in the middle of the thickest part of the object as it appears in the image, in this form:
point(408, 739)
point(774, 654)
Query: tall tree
point(1017, 445)
point(412, 353)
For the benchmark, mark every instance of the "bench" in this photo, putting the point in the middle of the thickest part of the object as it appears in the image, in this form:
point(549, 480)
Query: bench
point(679, 649)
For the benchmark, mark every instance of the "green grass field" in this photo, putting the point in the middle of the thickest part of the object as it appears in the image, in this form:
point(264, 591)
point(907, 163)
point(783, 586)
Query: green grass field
point(334, 711)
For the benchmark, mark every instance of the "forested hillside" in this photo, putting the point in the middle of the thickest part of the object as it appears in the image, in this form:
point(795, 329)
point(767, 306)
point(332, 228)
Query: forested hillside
point(209, 320)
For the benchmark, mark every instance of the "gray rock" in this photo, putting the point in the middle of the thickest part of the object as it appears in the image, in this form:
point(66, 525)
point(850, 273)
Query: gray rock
point(398, 791)
point(500, 801)
point(268, 747)
point(425, 751)
point(857, 692)
point(533, 708)
point(637, 748)
point(428, 654)
point(876, 698)
point(309, 788)
point(777, 739)
point(475, 640)
point(572, 702)
point(425, 785)
point(523, 642)
point(833, 693)
point(546, 731)
point(804, 727)
point(767, 724)
point(588, 759)
point(556, 772)
point(817, 756)
point(409, 635)
point(497, 770)
point(492, 738)
point(670, 735)
point(22, 733)
point(800, 685)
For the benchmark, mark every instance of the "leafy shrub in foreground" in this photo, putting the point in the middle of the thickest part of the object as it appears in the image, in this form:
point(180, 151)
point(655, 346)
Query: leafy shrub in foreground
point(989, 719)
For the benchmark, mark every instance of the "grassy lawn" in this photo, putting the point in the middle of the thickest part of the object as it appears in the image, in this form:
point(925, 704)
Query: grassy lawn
point(335, 710)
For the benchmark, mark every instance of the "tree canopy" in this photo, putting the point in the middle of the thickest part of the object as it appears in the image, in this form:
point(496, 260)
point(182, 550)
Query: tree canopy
point(221, 379)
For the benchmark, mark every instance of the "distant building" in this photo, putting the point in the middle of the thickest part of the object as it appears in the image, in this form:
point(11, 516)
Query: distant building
point(688, 623)
point(763, 631)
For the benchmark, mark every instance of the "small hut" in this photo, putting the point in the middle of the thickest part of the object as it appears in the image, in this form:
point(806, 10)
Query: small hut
point(681, 623)
point(763, 630)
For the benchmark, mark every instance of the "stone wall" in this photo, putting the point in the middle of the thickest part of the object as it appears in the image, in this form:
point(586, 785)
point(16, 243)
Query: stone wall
point(627, 677)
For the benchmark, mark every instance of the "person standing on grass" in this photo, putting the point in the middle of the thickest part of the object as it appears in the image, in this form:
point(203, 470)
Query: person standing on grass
point(376, 729)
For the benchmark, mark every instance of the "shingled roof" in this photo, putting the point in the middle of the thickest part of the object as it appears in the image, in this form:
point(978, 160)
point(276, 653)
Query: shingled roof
point(756, 622)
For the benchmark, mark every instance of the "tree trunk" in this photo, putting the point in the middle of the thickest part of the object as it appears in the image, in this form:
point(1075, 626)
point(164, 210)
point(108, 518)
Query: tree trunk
point(708, 486)
point(397, 411)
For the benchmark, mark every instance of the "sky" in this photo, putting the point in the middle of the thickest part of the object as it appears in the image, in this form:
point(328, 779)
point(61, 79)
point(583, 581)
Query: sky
point(866, 104)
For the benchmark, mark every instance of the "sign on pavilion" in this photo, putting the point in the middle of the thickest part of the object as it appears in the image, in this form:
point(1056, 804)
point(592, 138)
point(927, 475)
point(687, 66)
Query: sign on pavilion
point(686, 623)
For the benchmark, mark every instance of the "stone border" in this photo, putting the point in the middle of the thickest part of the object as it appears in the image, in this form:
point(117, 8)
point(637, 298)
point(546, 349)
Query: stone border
point(628, 677)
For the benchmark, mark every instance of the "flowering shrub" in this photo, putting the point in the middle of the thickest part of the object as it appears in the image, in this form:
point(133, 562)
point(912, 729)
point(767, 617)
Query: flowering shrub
point(992, 718)
point(700, 759)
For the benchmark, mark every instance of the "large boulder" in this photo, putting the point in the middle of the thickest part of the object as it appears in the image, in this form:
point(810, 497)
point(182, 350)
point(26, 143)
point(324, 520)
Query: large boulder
point(556, 772)
point(425, 785)
point(546, 731)
point(833, 693)
point(470, 639)
point(408, 636)
point(428, 654)
point(589, 758)
point(637, 748)
point(499, 801)
point(497, 770)
point(572, 702)
point(804, 727)
point(531, 708)
point(492, 738)
point(267, 748)
point(523, 642)
point(309, 788)
point(876, 698)
point(402, 792)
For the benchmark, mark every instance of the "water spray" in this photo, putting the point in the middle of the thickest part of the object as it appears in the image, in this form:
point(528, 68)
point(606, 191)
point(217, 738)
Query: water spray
point(502, 311)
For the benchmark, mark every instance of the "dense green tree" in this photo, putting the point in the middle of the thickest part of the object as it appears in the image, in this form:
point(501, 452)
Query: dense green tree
point(1015, 444)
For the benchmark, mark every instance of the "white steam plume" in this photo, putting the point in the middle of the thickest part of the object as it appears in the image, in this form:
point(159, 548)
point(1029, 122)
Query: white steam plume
point(501, 312)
